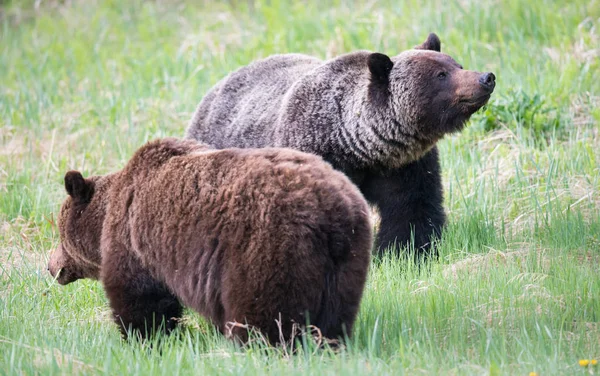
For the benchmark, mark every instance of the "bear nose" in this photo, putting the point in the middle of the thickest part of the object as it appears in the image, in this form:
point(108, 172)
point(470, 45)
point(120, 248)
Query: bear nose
point(488, 80)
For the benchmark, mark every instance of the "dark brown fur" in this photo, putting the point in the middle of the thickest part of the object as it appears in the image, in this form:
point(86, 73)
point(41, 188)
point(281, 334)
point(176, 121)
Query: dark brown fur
point(374, 117)
point(239, 235)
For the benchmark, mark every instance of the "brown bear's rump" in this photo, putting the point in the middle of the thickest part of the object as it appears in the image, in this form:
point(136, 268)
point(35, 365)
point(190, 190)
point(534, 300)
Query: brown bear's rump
point(200, 225)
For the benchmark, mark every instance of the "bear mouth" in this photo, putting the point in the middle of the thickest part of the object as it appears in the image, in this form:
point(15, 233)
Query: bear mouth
point(477, 101)
point(64, 277)
point(472, 105)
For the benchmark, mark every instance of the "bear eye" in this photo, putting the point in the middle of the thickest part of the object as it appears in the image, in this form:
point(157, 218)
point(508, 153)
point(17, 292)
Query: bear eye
point(442, 75)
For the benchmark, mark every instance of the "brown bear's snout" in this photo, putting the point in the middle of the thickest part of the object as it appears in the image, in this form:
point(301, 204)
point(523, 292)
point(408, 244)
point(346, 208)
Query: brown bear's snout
point(488, 81)
point(53, 269)
point(54, 264)
point(473, 89)
point(57, 266)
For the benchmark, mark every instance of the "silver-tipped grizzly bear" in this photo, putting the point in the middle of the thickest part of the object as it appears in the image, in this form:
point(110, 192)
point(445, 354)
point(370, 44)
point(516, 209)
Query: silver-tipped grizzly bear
point(240, 235)
point(373, 117)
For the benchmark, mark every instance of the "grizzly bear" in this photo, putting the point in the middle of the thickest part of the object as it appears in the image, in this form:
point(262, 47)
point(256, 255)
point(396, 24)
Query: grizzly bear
point(269, 239)
point(375, 118)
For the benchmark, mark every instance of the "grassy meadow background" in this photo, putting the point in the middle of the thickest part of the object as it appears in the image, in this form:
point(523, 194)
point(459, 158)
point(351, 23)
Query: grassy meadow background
point(516, 288)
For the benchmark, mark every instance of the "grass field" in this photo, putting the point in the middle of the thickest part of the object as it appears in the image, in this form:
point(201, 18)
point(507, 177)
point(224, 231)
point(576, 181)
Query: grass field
point(517, 286)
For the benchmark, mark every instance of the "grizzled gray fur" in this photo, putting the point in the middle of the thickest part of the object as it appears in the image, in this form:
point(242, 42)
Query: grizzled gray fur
point(373, 117)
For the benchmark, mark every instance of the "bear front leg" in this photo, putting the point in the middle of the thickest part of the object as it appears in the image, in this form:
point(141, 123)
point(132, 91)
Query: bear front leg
point(142, 306)
point(410, 203)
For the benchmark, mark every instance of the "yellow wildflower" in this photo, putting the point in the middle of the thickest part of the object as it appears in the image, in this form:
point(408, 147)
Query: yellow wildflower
point(584, 362)
point(593, 362)
point(533, 374)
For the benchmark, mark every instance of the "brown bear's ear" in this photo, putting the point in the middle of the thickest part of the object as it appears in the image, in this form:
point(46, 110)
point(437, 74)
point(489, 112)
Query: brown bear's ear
point(77, 187)
point(432, 43)
point(380, 66)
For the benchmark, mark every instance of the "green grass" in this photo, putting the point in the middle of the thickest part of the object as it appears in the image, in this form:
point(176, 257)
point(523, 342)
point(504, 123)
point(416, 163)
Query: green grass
point(516, 288)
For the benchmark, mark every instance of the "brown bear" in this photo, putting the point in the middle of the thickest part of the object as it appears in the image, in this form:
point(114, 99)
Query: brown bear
point(247, 236)
point(373, 117)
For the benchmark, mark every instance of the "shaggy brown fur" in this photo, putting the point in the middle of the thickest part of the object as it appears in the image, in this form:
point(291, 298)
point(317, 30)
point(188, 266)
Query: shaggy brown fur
point(239, 235)
point(374, 117)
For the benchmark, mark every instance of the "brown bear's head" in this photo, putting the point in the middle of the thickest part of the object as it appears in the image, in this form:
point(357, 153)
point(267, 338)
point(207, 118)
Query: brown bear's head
point(80, 225)
point(427, 91)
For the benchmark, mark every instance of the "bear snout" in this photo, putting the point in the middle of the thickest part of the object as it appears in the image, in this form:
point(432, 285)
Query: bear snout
point(53, 266)
point(61, 275)
point(488, 81)
point(57, 267)
point(52, 263)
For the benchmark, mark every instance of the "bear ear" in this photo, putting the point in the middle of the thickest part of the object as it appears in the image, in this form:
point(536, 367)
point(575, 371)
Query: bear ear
point(77, 187)
point(432, 43)
point(380, 66)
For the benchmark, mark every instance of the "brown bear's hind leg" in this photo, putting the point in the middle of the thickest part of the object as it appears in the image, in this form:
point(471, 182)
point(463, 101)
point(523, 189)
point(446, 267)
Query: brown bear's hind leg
point(142, 306)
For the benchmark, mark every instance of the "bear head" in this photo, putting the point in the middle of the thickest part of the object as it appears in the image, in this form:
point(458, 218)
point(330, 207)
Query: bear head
point(80, 225)
point(427, 91)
